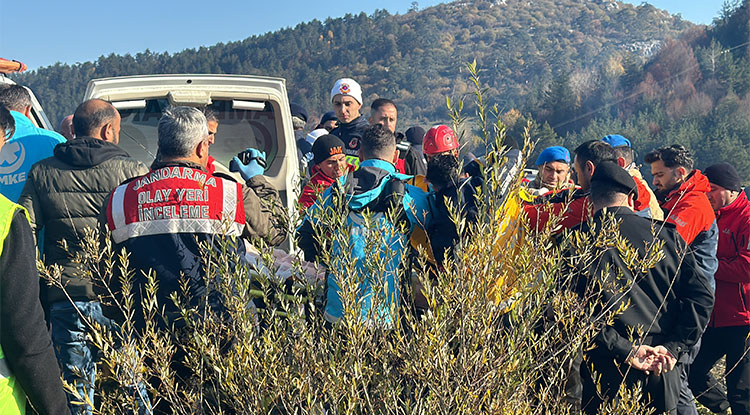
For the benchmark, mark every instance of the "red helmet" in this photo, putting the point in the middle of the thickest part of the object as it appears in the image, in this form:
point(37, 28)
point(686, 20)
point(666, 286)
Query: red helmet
point(439, 139)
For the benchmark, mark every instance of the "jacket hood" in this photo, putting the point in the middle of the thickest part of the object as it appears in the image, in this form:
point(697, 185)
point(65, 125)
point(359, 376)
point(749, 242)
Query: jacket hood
point(88, 152)
point(696, 182)
point(368, 180)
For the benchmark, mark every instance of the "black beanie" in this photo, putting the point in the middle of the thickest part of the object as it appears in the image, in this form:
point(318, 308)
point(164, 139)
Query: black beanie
point(326, 146)
point(298, 111)
point(724, 175)
point(414, 135)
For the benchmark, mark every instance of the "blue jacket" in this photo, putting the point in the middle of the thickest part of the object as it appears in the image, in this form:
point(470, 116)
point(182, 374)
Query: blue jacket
point(369, 182)
point(28, 145)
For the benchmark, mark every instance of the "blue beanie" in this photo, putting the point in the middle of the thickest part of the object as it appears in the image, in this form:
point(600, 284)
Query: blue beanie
point(616, 140)
point(554, 153)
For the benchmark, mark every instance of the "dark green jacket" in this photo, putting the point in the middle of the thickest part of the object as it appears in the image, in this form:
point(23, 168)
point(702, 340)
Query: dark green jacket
point(64, 195)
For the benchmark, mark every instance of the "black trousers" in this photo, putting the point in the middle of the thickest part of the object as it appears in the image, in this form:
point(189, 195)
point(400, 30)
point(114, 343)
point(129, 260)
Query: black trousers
point(660, 392)
point(733, 343)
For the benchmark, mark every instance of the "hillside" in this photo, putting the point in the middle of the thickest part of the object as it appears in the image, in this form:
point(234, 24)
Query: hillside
point(416, 58)
point(693, 91)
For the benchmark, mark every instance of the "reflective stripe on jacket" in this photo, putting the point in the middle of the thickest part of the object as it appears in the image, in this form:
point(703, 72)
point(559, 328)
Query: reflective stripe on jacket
point(162, 218)
point(12, 396)
point(175, 200)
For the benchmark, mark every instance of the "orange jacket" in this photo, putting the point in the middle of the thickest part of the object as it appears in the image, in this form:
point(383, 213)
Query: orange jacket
point(688, 207)
point(646, 198)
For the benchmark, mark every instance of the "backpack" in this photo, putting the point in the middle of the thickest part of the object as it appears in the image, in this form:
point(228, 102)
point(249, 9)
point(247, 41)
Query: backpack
point(384, 250)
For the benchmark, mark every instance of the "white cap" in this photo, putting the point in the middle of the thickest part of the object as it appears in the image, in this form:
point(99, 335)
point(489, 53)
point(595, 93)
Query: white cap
point(314, 134)
point(347, 86)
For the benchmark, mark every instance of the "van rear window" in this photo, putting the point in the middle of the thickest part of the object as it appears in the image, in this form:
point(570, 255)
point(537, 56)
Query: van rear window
point(238, 129)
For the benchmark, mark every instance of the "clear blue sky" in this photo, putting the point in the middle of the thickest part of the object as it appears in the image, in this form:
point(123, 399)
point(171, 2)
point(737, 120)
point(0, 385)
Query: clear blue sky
point(43, 32)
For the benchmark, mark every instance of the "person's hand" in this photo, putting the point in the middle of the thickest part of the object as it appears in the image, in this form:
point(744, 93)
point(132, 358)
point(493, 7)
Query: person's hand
point(666, 360)
point(644, 358)
point(652, 359)
point(253, 166)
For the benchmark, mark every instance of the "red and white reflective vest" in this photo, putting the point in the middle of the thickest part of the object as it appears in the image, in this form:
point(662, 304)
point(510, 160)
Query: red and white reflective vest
point(175, 199)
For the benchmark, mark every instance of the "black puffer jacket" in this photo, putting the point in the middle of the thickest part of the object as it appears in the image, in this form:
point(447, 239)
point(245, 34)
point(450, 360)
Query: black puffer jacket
point(64, 195)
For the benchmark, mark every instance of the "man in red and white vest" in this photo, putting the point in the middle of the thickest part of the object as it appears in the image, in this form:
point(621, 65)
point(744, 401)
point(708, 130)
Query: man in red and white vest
point(162, 217)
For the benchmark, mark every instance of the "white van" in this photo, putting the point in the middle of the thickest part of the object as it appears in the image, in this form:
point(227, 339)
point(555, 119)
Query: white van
point(253, 111)
point(38, 117)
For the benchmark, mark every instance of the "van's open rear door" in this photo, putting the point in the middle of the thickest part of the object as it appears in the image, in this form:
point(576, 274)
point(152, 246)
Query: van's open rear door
point(252, 111)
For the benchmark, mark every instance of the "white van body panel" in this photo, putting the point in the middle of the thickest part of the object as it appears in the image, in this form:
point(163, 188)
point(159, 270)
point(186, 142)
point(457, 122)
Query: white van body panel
point(38, 117)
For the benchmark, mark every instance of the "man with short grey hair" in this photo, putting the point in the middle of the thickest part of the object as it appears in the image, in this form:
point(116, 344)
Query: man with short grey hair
point(166, 218)
point(180, 130)
point(162, 217)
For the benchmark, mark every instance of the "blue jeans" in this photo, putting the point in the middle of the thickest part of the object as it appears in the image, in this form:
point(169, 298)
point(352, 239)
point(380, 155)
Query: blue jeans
point(77, 356)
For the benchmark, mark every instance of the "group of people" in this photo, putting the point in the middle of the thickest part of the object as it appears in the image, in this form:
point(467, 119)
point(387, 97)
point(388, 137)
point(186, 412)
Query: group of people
point(161, 215)
point(693, 305)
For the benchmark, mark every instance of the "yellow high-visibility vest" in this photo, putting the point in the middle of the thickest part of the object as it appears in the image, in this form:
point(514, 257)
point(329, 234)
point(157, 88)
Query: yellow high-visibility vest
point(12, 396)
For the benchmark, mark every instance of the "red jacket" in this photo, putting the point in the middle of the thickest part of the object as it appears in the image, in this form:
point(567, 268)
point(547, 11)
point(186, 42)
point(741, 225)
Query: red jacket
point(572, 209)
point(318, 183)
point(576, 211)
point(688, 207)
point(210, 165)
point(732, 306)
